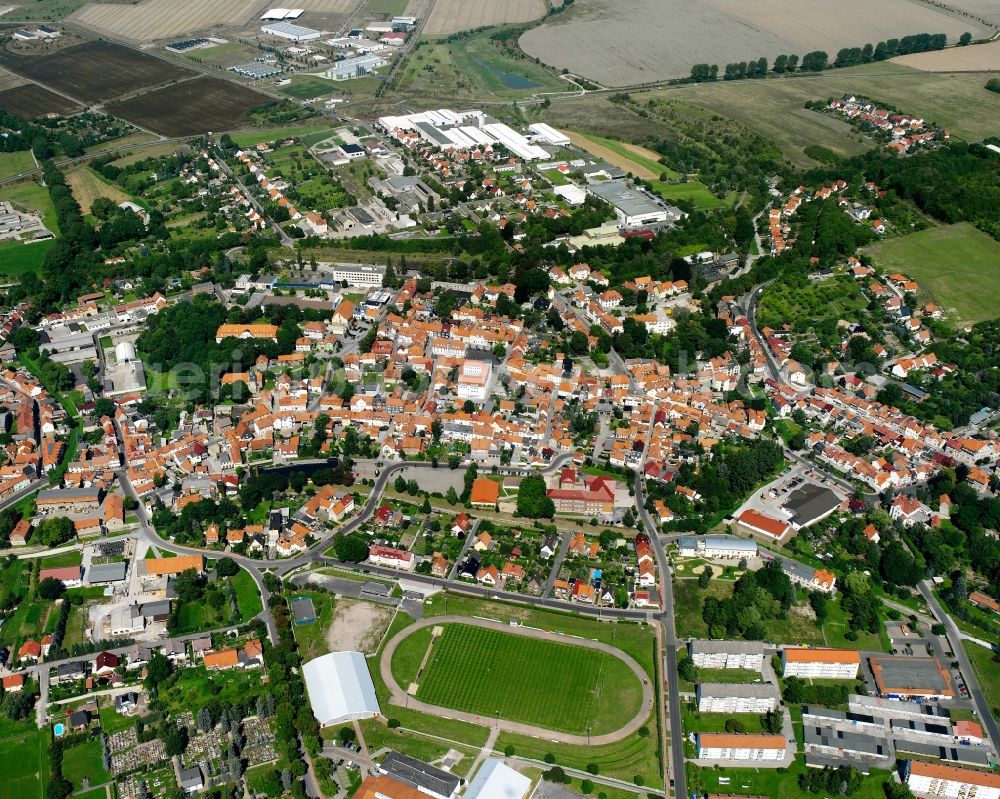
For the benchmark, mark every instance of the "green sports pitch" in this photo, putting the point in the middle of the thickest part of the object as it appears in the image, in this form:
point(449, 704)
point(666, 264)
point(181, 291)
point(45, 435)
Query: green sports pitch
point(553, 685)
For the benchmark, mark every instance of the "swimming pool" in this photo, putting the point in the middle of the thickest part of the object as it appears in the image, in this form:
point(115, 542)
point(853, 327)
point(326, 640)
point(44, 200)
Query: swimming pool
point(59, 729)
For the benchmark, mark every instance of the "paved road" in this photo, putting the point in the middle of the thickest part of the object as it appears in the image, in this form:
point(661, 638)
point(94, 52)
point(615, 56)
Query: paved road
point(400, 697)
point(982, 705)
point(670, 643)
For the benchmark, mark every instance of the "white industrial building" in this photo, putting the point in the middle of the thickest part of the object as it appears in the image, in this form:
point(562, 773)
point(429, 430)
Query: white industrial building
point(747, 655)
point(278, 14)
point(340, 688)
point(459, 130)
point(934, 779)
point(820, 663)
point(294, 33)
point(361, 275)
point(571, 193)
point(717, 697)
point(496, 780)
point(716, 546)
point(633, 207)
point(548, 134)
point(474, 380)
point(356, 67)
point(735, 746)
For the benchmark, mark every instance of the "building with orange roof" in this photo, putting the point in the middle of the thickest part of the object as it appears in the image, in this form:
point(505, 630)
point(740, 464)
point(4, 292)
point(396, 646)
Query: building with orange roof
point(171, 567)
point(821, 662)
point(485, 492)
point(734, 746)
point(222, 660)
point(13, 683)
point(385, 787)
point(935, 779)
point(760, 524)
point(969, 732)
point(256, 331)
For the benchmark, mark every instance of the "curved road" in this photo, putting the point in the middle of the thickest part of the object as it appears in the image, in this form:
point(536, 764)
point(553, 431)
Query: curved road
point(400, 697)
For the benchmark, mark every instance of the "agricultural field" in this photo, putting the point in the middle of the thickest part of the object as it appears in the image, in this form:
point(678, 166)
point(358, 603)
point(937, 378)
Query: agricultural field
point(978, 58)
point(93, 71)
point(87, 186)
point(451, 16)
point(29, 100)
point(18, 259)
point(388, 8)
point(305, 87)
point(774, 107)
point(42, 10)
point(161, 19)
point(192, 107)
point(16, 162)
point(987, 9)
point(596, 40)
point(516, 680)
point(946, 261)
point(25, 760)
point(644, 163)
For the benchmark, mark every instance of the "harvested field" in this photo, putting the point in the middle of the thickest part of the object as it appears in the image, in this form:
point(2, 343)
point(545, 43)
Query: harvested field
point(975, 58)
point(162, 19)
point(596, 40)
point(94, 71)
point(986, 9)
point(192, 108)
point(450, 16)
point(614, 156)
point(29, 100)
point(87, 187)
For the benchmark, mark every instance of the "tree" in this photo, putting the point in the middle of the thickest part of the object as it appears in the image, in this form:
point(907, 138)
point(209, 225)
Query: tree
point(686, 669)
point(189, 586)
point(451, 496)
point(157, 670)
point(175, 740)
point(18, 706)
point(532, 501)
point(205, 719)
point(50, 588)
point(227, 567)
point(705, 577)
point(400, 484)
point(55, 531)
point(965, 39)
point(351, 548)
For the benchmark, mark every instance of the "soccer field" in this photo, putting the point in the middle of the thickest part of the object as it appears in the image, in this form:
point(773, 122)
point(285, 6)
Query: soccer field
point(956, 267)
point(553, 685)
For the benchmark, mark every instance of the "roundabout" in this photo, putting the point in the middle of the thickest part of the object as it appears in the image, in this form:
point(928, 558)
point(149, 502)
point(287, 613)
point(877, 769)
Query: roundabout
point(517, 679)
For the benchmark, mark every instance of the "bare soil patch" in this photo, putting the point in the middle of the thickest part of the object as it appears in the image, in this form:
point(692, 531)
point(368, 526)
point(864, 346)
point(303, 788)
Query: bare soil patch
point(93, 71)
point(192, 107)
point(29, 100)
point(358, 626)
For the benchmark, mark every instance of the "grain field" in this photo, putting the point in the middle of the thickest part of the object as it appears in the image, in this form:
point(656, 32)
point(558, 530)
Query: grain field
point(451, 16)
point(152, 20)
point(595, 39)
point(974, 58)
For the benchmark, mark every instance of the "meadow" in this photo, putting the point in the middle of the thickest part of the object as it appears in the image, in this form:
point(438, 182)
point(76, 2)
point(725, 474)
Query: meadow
point(946, 262)
point(25, 760)
point(553, 685)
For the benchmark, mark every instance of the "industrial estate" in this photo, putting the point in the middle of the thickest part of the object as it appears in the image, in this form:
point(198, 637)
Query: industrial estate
point(499, 399)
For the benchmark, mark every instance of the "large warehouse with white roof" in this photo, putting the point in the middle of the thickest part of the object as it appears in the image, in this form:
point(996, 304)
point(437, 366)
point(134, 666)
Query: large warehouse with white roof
point(340, 688)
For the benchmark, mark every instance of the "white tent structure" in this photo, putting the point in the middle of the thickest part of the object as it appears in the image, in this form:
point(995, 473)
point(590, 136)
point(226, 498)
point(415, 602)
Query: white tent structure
point(496, 780)
point(340, 688)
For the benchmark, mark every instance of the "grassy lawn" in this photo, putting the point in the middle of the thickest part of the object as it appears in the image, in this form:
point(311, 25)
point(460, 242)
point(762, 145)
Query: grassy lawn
point(716, 722)
point(193, 685)
point(392, 8)
point(688, 602)
point(987, 673)
point(728, 675)
point(247, 595)
point(835, 627)
point(414, 744)
point(83, 761)
point(311, 637)
point(252, 137)
point(32, 195)
point(305, 87)
point(516, 682)
point(16, 162)
point(73, 557)
point(945, 261)
point(773, 783)
point(112, 721)
point(694, 192)
point(18, 259)
point(25, 764)
point(634, 755)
